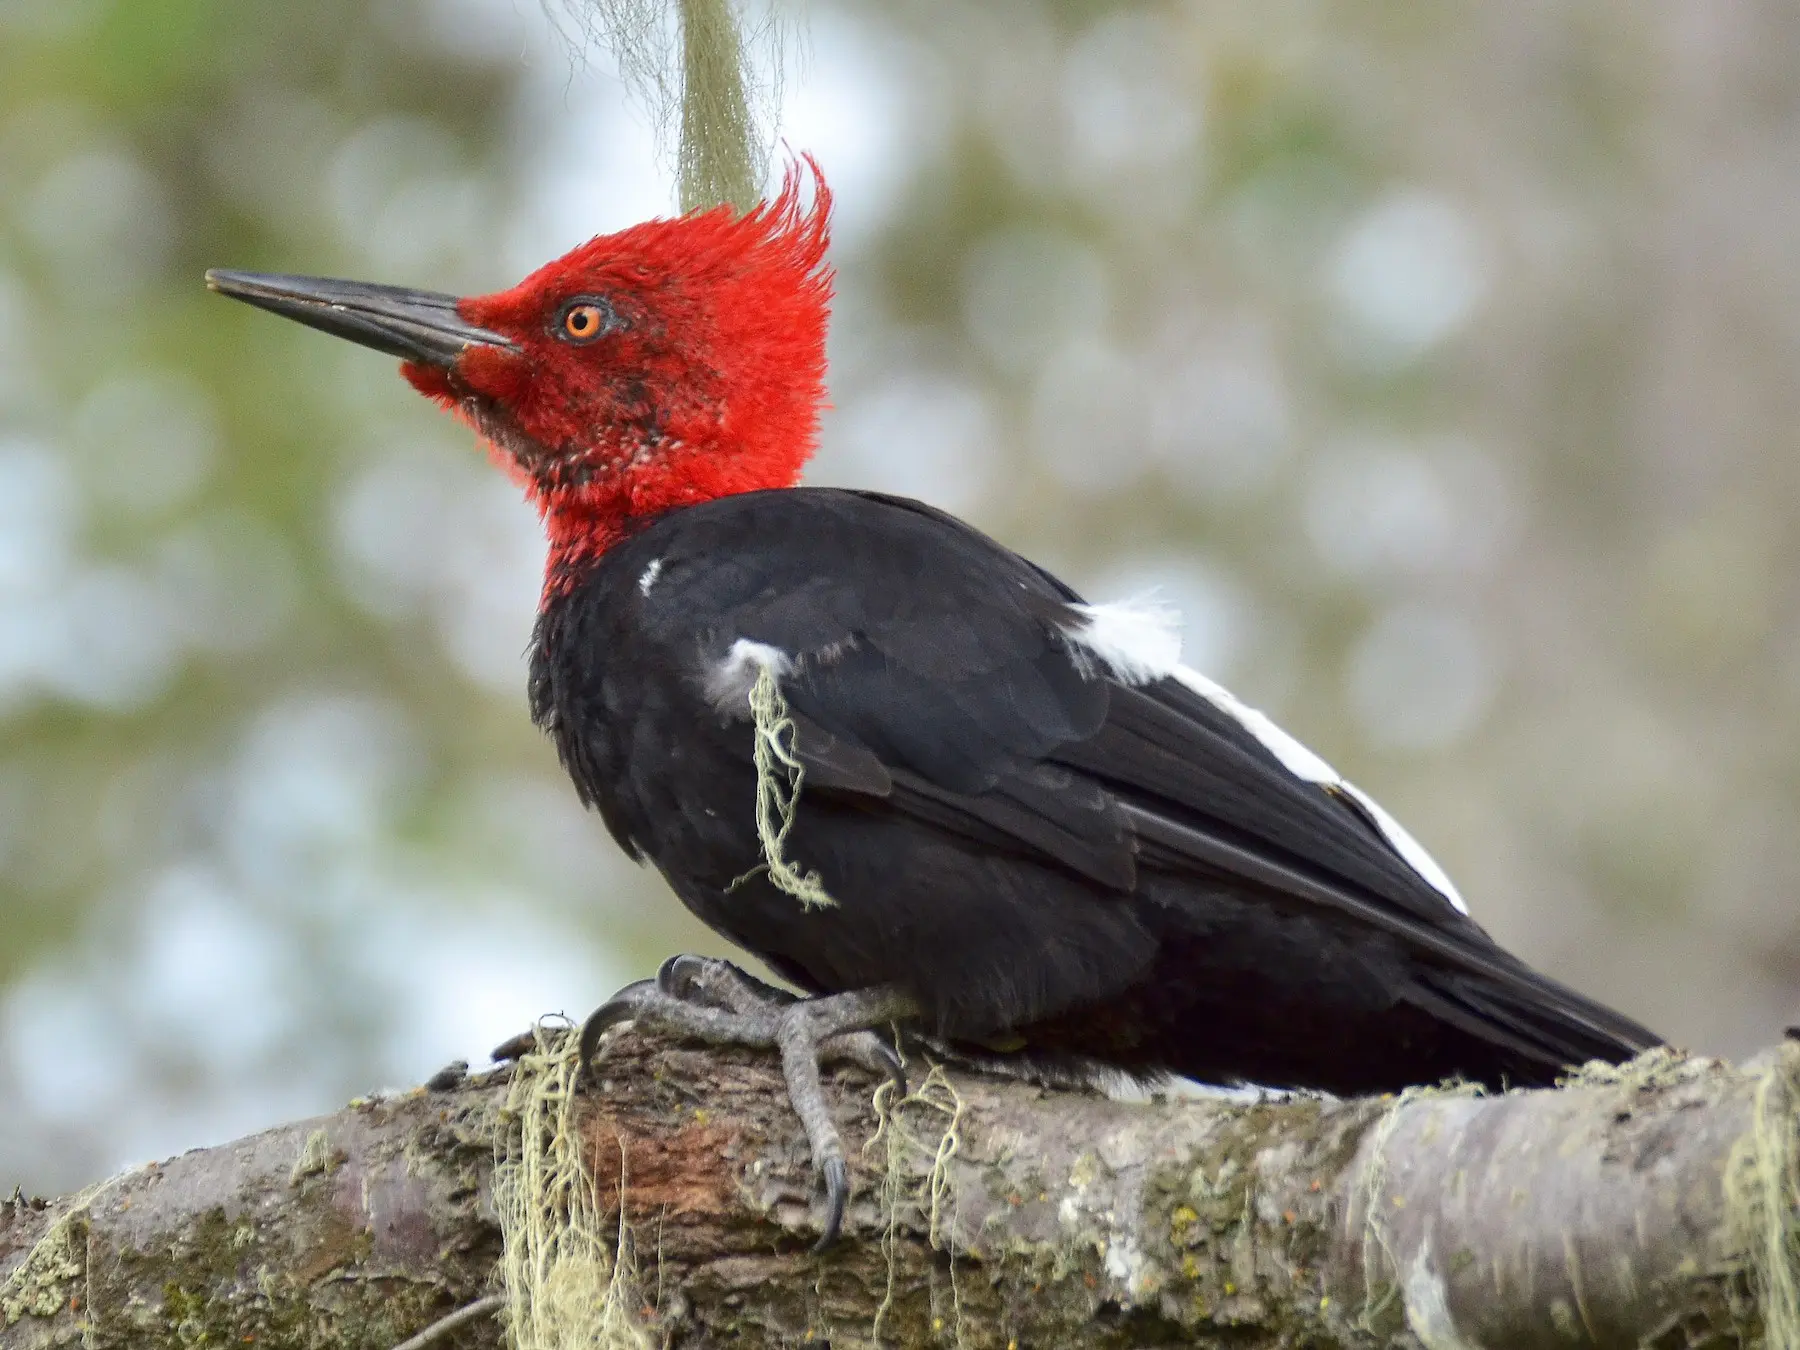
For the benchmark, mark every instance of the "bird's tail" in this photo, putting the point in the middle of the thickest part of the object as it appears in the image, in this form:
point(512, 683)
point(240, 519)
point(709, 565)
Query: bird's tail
point(1540, 1027)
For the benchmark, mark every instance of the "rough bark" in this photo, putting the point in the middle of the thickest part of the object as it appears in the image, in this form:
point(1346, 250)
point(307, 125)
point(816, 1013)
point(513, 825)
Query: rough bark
point(1597, 1214)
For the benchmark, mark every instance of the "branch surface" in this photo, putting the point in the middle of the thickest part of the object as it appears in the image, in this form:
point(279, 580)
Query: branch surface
point(986, 1213)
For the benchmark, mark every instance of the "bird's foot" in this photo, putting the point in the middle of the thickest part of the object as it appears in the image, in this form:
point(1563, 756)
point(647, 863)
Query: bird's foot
point(718, 984)
point(714, 983)
point(715, 1002)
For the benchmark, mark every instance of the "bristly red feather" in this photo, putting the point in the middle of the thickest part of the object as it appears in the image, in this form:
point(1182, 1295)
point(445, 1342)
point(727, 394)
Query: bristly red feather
point(712, 384)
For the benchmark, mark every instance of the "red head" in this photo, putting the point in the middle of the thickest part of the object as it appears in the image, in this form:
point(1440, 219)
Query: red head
point(670, 363)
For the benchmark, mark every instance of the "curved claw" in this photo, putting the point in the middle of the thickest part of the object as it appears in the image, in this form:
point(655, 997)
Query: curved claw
point(677, 974)
point(896, 1071)
point(716, 983)
point(621, 1007)
point(869, 1051)
point(837, 1194)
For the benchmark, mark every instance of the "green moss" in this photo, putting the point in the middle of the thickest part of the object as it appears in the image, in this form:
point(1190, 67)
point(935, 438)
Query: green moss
point(359, 1317)
point(219, 1284)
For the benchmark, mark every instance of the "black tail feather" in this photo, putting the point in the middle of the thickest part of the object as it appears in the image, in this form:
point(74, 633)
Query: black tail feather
point(1547, 1026)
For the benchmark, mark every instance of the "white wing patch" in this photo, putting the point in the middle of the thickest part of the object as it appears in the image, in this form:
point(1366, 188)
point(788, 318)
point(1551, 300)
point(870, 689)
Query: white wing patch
point(1139, 641)
point(1296, 758)
point(1306, 764)
point(729, 683)
point(1405, 845)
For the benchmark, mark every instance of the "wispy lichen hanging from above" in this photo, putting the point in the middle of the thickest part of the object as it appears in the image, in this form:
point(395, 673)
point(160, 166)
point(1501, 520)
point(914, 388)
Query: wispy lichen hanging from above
point(711, 69)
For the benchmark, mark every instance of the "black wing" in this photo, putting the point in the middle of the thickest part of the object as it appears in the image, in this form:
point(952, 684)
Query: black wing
point(936, 671)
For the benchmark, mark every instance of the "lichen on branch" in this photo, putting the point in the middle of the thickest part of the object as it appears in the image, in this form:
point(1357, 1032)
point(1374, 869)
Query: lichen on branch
point(1638, 1205)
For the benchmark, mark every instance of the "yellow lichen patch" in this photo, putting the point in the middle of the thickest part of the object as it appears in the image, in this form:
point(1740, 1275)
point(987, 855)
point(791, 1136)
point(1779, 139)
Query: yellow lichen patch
point(1181, 1219)
point(1085, 1172)
point(44, 1283)
point(316, 1157)
point(41, 1284)
point(1659, 1066)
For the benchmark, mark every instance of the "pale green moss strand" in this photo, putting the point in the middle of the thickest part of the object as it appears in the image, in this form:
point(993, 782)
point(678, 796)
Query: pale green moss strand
point(722, 158)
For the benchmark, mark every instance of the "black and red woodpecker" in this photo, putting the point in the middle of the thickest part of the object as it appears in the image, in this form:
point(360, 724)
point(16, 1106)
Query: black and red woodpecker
point(910, 770)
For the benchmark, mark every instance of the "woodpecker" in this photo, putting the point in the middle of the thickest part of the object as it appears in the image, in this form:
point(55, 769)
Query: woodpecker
point(924, 780)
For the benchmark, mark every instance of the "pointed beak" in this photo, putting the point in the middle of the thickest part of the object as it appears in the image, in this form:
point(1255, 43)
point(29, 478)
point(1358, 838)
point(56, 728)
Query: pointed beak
point(420, 326)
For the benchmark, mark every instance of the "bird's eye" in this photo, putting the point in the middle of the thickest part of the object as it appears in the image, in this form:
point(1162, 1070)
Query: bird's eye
point(583, 321)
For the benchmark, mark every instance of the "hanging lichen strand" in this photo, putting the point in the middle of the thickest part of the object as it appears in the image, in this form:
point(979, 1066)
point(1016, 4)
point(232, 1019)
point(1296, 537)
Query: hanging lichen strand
point(714, 64)
point(722, 159)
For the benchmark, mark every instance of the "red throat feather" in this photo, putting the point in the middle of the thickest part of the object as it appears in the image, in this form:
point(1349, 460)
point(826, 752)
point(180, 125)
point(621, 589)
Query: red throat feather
point(665, 365)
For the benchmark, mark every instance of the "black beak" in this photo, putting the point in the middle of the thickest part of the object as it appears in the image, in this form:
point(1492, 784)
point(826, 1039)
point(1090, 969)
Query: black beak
point(420, 326)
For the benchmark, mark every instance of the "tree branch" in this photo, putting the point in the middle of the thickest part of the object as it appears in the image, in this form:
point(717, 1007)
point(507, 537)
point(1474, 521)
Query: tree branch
point(1611, 1212)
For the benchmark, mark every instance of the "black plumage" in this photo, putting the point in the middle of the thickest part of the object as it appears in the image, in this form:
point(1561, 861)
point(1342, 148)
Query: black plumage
point(1049, 858)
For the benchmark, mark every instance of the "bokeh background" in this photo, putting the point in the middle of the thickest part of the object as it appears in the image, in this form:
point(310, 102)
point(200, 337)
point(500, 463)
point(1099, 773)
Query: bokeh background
point(1438, 361)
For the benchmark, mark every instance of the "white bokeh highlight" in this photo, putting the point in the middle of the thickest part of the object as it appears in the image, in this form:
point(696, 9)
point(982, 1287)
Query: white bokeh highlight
point(1407, 275)
point(1421, 678)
